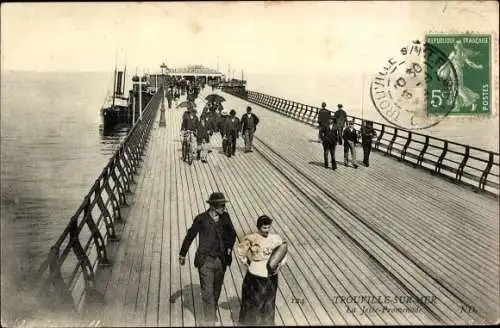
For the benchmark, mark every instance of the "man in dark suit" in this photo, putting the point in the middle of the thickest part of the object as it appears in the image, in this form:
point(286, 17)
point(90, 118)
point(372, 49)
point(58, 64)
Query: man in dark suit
point(231, 130)
point(323, 117)
point(341, 118)
point(328, 135)
point(367, 134)
point(170, 96)
point(249, 123)
point(216, 238)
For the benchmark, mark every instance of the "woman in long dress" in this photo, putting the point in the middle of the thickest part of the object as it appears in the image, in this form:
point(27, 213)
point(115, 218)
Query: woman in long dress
point(459, 57)
point(258, 299)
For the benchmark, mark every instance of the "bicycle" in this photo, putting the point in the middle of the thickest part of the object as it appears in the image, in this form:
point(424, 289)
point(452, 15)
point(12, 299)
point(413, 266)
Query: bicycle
point(188, 151)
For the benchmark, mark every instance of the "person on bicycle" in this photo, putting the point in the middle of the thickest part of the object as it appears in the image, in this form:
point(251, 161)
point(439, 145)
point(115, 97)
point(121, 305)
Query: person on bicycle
point(189, 121)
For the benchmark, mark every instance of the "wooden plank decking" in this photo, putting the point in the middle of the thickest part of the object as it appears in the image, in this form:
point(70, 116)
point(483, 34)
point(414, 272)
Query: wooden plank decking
point(387, 230)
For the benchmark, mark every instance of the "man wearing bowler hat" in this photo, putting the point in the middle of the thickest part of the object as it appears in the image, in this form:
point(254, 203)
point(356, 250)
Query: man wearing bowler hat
point(216, 239)
point(328, 135)
point(341, 118)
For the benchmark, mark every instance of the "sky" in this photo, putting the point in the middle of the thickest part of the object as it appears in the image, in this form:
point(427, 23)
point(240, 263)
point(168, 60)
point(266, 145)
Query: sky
point(302, 37)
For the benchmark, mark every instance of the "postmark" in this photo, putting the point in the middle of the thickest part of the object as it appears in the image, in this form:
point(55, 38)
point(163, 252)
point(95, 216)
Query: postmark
point(399, 90)
point(470, 56)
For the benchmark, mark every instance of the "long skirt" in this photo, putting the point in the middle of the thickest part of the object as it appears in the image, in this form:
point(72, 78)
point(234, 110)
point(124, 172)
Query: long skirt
point(258, 300)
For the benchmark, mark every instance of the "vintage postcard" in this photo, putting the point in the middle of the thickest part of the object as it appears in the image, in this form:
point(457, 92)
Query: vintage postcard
point(287, 163)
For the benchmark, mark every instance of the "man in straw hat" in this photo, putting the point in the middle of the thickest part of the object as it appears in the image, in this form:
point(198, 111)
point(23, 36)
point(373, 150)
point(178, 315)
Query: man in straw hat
point(216, 239)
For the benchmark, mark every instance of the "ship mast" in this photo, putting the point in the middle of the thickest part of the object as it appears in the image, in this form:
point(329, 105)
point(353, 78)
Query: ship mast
point(114, 89)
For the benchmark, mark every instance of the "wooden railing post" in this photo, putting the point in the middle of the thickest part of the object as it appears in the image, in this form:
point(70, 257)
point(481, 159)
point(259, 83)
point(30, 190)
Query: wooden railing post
point(439, 163)
point(64, 299)
point(123, 175)
point(118, 183)
point(127, 165)
point(460, 170)
point(309, 117)
point(83, 260)
point(377, 143)
point(421, 155)
point(96, 233)
point(315, 118)
point(484, 176)
point(108, 219)
point(132, 158)
point(405, 148)
point(289, 108)
point(114, 201)
point(279, 104)
point(391, 143)
point(301, 115)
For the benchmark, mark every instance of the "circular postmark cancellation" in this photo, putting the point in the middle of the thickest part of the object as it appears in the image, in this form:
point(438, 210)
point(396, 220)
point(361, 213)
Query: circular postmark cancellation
point(416, 90)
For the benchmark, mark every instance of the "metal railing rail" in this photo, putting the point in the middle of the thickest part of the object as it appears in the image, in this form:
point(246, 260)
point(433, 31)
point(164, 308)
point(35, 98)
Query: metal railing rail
point(466, 164)
point(69, 270)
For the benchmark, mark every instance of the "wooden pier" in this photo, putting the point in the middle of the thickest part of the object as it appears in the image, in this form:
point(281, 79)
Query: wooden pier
point(387, 232)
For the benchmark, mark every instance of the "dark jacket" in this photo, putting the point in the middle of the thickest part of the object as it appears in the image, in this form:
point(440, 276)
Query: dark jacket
point(350, 135)
point(244, 121)
point(323, 116)
point(230, 126)
point(215, 238)
point(189, 123)
point(367, 134)
point(340, 117)
point(170, 95)
point(328, 135)
point(202, 131)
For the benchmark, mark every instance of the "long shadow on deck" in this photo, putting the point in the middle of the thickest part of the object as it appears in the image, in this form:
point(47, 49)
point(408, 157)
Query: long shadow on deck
point(189, 293)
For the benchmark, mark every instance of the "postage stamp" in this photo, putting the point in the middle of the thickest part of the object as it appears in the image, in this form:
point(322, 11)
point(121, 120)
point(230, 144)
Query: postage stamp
point(469, 55)
point(400, 90)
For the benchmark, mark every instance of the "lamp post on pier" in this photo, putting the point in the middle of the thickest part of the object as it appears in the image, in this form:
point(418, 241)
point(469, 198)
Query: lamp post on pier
point(138, 81)
point(164, 84)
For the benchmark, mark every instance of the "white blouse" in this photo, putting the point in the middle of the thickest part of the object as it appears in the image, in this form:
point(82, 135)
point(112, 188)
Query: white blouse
point(258, 249)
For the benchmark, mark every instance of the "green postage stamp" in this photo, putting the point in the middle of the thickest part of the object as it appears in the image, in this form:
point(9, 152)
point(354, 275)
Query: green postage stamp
point(470, 55)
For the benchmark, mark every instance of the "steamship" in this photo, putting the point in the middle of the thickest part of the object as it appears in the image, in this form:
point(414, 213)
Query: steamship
point(116, 107)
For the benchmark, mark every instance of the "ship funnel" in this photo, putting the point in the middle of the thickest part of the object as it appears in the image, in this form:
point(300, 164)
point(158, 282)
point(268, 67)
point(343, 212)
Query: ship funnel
point(119, 85)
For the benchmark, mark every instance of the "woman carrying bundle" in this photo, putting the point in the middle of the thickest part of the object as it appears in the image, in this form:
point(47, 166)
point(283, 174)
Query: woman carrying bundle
point(263, 253)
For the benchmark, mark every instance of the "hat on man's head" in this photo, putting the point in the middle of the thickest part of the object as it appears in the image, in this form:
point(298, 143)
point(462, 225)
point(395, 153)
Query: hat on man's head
point(217, 198)
point(323, 104)
point(339, 106)
point(249, 108)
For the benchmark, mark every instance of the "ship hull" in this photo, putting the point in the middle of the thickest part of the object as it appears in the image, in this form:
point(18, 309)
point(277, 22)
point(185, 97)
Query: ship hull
point(112, 117)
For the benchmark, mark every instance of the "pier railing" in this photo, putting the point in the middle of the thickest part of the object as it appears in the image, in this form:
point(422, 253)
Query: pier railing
point(461, 163)
point(71, 265)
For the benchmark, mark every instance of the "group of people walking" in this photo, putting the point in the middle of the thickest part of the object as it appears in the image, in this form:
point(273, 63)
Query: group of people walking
point(214, 119)
point(214, 255)
point(334, 128)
